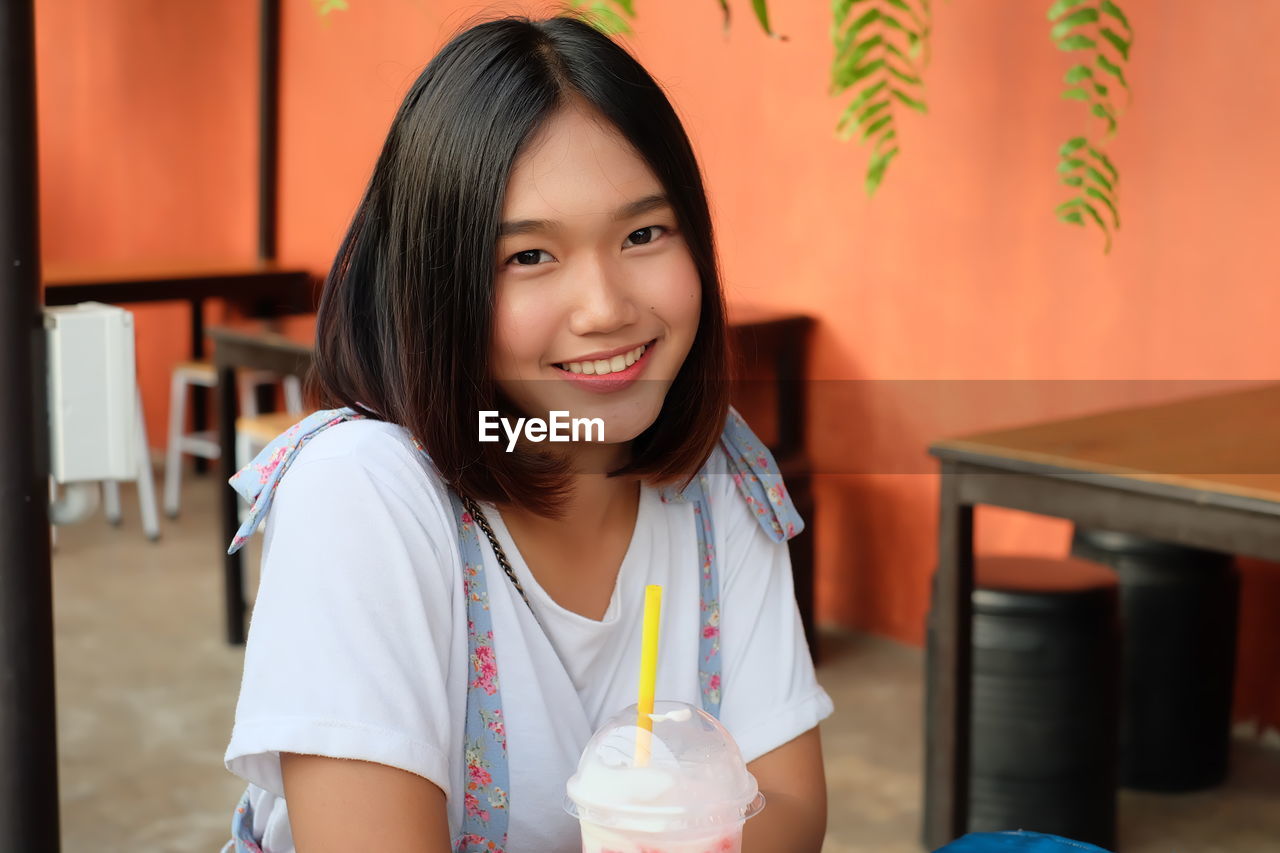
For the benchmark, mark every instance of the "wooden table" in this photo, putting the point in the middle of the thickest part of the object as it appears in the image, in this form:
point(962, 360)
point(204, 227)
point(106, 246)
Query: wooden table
point(770, 344)
point(1203, 473)
point(258, 288)
point(234, 349)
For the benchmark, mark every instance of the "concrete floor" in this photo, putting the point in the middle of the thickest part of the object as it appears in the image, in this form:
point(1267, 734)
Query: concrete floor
point(147, 687)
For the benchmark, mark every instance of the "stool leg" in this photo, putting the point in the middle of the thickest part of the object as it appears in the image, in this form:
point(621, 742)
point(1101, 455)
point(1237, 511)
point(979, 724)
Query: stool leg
point(53, 528)
point(111, 501)
point(244, 455)
point(146, 483)
point(293, 395)
point(248, 396)
point(173, 452)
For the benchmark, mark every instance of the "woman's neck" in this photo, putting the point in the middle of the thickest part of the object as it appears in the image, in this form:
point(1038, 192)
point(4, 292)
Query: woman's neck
point(594, 501)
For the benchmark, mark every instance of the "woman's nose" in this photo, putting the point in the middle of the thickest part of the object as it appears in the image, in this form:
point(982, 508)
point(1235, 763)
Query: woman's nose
point(602, 299)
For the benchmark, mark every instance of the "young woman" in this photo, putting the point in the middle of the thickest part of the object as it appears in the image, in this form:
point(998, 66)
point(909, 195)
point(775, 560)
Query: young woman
point(443, 621)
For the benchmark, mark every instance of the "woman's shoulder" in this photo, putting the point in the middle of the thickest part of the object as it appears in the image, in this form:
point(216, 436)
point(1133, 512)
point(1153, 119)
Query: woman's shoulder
point(382, 450)
point(352, 466)
point(746, 482)
point(364, 484)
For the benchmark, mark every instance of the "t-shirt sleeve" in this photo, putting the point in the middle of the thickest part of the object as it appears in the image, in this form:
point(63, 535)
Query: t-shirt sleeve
point(349, 650)
point(770, 694)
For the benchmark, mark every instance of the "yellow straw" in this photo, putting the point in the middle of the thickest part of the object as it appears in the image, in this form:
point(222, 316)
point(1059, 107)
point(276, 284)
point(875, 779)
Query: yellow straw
point(648, 672)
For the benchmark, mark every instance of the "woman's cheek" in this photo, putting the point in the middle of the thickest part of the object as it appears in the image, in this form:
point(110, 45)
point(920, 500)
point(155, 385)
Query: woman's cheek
point(516, 319)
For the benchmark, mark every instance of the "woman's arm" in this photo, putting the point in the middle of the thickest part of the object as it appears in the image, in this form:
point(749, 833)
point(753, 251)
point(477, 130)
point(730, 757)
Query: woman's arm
point(338, 804)
point(795, 789)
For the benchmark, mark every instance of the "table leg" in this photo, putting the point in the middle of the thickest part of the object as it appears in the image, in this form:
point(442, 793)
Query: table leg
point(199, 396)
point(233, 564)
point(946, 802)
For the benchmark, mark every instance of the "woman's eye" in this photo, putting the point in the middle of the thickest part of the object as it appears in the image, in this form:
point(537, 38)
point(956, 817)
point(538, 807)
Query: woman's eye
point(529, 258)
point(645, 235)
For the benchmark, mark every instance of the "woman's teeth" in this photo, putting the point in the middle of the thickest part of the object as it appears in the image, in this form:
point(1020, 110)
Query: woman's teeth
point(605, 366)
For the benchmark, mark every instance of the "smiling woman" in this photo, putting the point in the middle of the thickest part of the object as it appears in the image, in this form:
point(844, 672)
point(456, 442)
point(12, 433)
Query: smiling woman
point(566, 178)
point(534, 248)
point(601, 287)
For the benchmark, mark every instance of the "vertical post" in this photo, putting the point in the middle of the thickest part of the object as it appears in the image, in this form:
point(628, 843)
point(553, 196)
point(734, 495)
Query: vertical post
point(268, 125)
point(28, 735)
point(946, 795)
point(199, 395)
point(232, 564)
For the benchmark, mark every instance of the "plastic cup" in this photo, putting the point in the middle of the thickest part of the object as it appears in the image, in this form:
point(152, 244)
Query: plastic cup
point(692, 796)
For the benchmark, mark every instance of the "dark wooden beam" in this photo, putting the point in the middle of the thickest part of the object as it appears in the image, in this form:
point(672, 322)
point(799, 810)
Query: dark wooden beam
point(268, 125)
point(28, 732)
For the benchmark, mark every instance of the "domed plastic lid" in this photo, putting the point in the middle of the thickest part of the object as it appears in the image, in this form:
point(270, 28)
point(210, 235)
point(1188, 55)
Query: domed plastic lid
point(695, 776)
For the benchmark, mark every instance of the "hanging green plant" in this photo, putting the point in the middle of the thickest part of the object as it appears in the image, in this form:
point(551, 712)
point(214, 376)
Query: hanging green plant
point(607, 16)
point(1099, 30)
point(882, 50)
point(324, 7)
point(880, 55)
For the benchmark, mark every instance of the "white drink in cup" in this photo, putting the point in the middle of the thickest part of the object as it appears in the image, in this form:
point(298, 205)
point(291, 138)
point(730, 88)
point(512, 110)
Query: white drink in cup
point(690, 792)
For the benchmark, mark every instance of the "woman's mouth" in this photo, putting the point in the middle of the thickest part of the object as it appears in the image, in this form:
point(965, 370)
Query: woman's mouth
point(608, 374)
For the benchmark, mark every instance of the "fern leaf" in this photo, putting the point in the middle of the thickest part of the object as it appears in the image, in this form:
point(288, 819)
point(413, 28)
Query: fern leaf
point(1109, 8)
point(1101, 111)
point(1077, 42)
point(1076, 73)
point(841, 8)
point(876, 126)
point(896, 52)
point(1098, 178)
point(1097, 26)
point(871, 111)
point(761, 8)
point(1072, 145)
point(1081, 206)
point(1058, 8)
point(875, 171)
point(907, 100)
point(1121, 45)
point(853, 75)
point(1093, 192)
point(1106, 163)
point(866, 95)
point(607, 16)
point(1114, 70)
point(877, 43)
point(1070, 22)
point(909, 79)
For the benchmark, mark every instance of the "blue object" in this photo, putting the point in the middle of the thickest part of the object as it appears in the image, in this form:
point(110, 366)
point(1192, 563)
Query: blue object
point(1024, 842)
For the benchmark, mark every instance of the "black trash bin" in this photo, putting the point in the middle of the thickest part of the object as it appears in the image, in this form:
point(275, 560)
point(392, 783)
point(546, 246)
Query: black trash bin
point(1045, 705)
point(1178, 606)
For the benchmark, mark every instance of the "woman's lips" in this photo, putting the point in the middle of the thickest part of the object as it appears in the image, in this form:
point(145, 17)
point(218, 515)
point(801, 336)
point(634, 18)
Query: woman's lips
point(611, 382)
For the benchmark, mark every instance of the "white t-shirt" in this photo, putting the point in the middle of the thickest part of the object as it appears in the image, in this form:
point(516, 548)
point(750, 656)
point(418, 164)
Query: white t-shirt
point(358, 643)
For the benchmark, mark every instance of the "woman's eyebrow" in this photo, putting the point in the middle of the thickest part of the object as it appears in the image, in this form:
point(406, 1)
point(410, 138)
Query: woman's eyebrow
point(628, 210)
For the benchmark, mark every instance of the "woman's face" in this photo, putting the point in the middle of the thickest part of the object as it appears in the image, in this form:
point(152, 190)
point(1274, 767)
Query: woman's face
point(597, 297)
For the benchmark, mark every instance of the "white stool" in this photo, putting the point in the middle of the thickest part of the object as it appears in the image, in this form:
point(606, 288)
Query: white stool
point(205, 444)
point(254, 433)
point(146, 484)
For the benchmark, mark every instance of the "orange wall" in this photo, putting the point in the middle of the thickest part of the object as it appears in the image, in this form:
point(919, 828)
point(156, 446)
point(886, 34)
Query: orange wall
point(148, 140)
point(955, 272)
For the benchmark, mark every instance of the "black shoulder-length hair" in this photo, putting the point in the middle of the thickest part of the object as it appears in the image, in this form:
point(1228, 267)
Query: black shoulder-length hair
point(405, 320)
